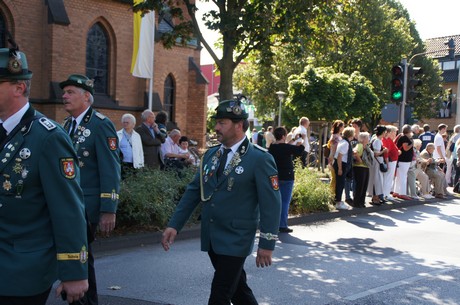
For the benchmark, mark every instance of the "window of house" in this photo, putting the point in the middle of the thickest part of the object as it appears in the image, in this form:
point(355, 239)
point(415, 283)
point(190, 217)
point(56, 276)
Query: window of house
point(448, 65)
point(169, 97)
point(97, 58)
point(2, 31)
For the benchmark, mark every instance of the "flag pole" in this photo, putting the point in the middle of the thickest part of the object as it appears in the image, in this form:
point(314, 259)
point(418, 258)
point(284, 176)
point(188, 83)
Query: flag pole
point(153, 64)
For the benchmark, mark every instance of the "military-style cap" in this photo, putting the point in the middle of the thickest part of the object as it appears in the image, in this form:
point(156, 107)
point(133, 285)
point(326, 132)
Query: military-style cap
point(79, 80)
point(13, 65)
point(231, 109)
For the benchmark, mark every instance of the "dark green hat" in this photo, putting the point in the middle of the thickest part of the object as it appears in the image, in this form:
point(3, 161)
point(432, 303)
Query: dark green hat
point(231, 109)
point(79, 80)
point(13, 65)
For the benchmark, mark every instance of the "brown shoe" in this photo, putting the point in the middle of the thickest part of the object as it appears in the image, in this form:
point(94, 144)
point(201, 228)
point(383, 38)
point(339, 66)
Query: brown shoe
point(440, 196)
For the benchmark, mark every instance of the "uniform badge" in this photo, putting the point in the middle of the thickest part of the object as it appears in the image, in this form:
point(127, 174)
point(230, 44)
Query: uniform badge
point(81, 139)
point(24, 173)
point(85, 153)
point(112, 143)
point(239, 170)
point(68, 167)
point(19, 188)
point(86, 133)
point(7, 184)
point(230, 183)
point(83, 255)
point(274, 182)
point(14, 65)
point(25, 153)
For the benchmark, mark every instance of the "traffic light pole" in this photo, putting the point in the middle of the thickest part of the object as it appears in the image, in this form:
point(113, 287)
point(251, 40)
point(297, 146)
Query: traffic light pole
point(402, 106)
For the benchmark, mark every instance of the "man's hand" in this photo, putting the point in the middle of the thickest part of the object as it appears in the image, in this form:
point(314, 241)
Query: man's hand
point(107, 222)
point(264, 257)
point(169, 234)
point(74, 290)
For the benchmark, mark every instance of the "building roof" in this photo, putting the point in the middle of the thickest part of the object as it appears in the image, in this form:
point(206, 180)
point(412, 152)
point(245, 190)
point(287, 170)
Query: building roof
point(437, 47)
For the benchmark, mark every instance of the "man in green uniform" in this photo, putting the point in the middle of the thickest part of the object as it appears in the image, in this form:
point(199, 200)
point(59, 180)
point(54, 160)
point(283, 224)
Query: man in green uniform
point(42, 222)
point(238, 188)
point(96, 143)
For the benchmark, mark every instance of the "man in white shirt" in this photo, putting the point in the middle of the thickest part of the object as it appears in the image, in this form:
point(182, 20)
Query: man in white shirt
point(440, 148)
point(171, 151)
point(304, 123)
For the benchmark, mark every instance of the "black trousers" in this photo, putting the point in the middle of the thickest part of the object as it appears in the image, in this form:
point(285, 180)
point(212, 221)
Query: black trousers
point(229, 282)
point(39, 299)
point(361, 175)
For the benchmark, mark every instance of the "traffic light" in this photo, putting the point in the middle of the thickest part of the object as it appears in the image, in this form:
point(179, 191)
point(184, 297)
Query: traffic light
point(413, 82)
point(397, 84)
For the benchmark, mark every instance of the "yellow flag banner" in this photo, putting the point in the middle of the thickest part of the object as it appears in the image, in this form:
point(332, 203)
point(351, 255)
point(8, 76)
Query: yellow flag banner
point(143, 44)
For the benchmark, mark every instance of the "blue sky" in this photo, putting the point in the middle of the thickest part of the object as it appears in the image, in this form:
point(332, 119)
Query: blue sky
point(433, 19)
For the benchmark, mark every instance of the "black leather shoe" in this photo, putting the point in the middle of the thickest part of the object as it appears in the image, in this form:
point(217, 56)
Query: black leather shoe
point(285, 230)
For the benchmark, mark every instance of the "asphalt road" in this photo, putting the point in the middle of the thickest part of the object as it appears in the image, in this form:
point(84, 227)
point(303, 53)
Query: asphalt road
point(408, 255)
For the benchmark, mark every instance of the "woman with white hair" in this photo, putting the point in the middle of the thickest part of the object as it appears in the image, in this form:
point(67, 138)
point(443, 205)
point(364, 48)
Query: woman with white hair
point(130, 145)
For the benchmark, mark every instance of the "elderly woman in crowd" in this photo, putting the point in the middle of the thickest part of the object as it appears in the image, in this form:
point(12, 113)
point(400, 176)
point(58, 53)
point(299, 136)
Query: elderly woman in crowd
point(434, 172)
point(393, 154)
point(405, 145)
point(375, 186)
point(130, 145)
point(360, 171)
point(343, 159)
point(419, 172)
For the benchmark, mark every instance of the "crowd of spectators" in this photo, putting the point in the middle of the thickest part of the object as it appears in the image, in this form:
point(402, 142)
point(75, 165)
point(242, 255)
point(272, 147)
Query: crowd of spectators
point(406, 164)
point(373, 168)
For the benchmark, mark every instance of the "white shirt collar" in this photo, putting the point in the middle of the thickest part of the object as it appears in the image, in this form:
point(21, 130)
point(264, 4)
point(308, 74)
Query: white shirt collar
point(14, 120)
point(80, 117)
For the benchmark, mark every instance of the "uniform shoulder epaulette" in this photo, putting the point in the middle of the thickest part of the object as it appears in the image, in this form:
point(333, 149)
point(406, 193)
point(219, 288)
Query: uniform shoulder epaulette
point(260, 147)
point(100, 115)
point(47, 123)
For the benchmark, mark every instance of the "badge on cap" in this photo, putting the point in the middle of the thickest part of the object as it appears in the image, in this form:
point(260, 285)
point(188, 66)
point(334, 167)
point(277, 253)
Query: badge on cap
point(274, 182)
point(14, 65)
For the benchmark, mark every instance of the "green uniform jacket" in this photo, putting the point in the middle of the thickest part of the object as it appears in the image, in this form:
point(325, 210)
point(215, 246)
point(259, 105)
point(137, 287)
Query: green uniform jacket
point(247, 196)
point(96, 144)
point(42, 222)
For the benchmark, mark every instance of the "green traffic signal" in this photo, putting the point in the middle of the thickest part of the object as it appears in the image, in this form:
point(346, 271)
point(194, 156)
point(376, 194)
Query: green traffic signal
point(396, 96)
point(397, 81)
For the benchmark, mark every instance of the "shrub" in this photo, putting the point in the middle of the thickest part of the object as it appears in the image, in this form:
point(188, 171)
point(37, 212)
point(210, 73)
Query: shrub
point(149, 197)
point(311, 193)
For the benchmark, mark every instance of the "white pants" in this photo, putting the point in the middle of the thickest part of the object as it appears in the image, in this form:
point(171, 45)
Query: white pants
point(401, 178)
point(389, 178)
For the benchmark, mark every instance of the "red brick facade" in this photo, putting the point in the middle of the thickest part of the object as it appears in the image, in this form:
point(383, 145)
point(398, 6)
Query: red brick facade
point(55, 50)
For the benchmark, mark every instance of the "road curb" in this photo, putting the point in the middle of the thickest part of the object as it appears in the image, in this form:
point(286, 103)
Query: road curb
point(103, 246)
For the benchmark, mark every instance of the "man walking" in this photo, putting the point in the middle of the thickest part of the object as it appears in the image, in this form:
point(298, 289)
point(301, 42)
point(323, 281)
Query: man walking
point(42, 223)
point(96, 143)
point(238, 187)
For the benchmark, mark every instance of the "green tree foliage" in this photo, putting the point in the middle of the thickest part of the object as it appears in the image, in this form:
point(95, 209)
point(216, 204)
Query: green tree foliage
point(368, 36)
point(245, 26)
point(322, 94)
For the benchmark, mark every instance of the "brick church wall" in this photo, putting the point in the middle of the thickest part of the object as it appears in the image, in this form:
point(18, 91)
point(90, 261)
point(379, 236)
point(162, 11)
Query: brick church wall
point(54, 51)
